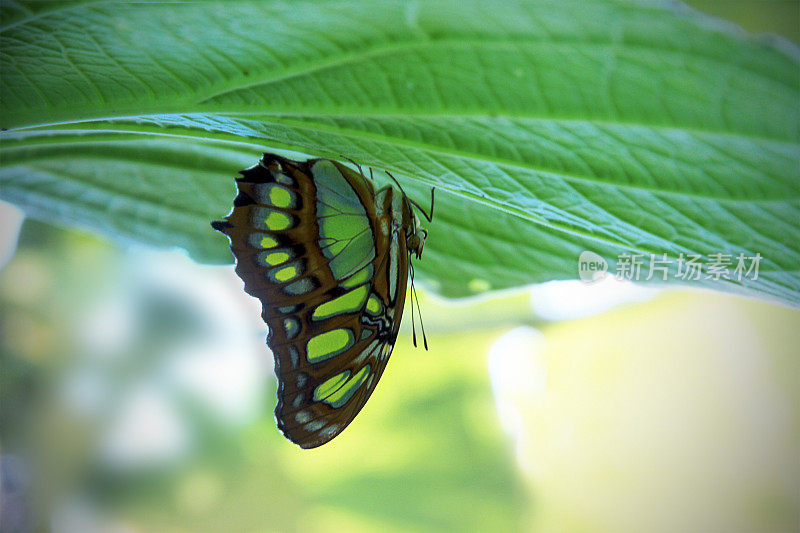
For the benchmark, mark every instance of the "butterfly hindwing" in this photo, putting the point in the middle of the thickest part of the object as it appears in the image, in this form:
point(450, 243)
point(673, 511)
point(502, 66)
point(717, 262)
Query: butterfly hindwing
point(327, 257)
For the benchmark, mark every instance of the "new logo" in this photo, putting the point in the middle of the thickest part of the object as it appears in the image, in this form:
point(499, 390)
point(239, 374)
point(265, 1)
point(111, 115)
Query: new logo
point(591, 267)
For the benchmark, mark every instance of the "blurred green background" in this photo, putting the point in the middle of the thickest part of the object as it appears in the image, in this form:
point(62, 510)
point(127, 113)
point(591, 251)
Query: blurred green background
point(136, 395)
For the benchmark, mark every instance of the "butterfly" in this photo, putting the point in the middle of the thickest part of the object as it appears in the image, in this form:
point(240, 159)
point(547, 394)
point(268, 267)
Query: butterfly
point(328, 256)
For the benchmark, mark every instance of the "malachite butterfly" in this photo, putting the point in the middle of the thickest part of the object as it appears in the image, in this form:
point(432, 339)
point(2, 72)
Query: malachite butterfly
point(328, 256)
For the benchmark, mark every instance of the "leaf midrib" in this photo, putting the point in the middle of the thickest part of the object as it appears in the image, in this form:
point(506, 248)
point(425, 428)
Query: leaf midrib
point(366, 113)
point(500, 162)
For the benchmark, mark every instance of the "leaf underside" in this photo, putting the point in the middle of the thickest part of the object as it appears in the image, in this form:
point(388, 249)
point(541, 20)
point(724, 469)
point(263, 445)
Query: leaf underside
point(548, 128)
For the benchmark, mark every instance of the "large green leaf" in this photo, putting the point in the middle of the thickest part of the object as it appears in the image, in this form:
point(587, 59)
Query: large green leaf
point(548, 127)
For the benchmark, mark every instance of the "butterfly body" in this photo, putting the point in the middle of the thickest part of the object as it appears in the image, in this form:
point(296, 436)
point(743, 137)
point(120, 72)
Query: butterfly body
point(328, 256)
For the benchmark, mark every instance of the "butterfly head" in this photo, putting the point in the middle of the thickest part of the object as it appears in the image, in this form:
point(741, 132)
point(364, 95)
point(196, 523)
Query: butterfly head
point(415, 238)
point(416, 235)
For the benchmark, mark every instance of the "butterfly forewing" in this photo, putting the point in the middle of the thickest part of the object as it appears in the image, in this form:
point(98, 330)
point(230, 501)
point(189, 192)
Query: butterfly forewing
point(320, 249)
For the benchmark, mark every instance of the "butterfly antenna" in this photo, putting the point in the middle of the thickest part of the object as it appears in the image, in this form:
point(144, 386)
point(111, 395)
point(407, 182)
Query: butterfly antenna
point(414, 296)
point(353, 162)
point(429, 218)
point(358, 167)
point(395, 181)
point(413, 327)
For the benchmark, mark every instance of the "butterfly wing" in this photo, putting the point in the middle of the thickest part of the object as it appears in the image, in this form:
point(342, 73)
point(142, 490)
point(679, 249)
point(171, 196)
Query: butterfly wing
point(330, 269)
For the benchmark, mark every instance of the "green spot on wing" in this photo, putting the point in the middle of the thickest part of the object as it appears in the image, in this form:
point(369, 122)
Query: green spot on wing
point(273, 194)
point(277, 221)
point(276, 258)
point(360, 277)
point(374, 305)
point(330, 385)
point(280, 197)
point(284, 274)
point(262, 240)
point(268, 242)
point(346, 391)
point(349, 302)
point(329, 344)
point(265, 218)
